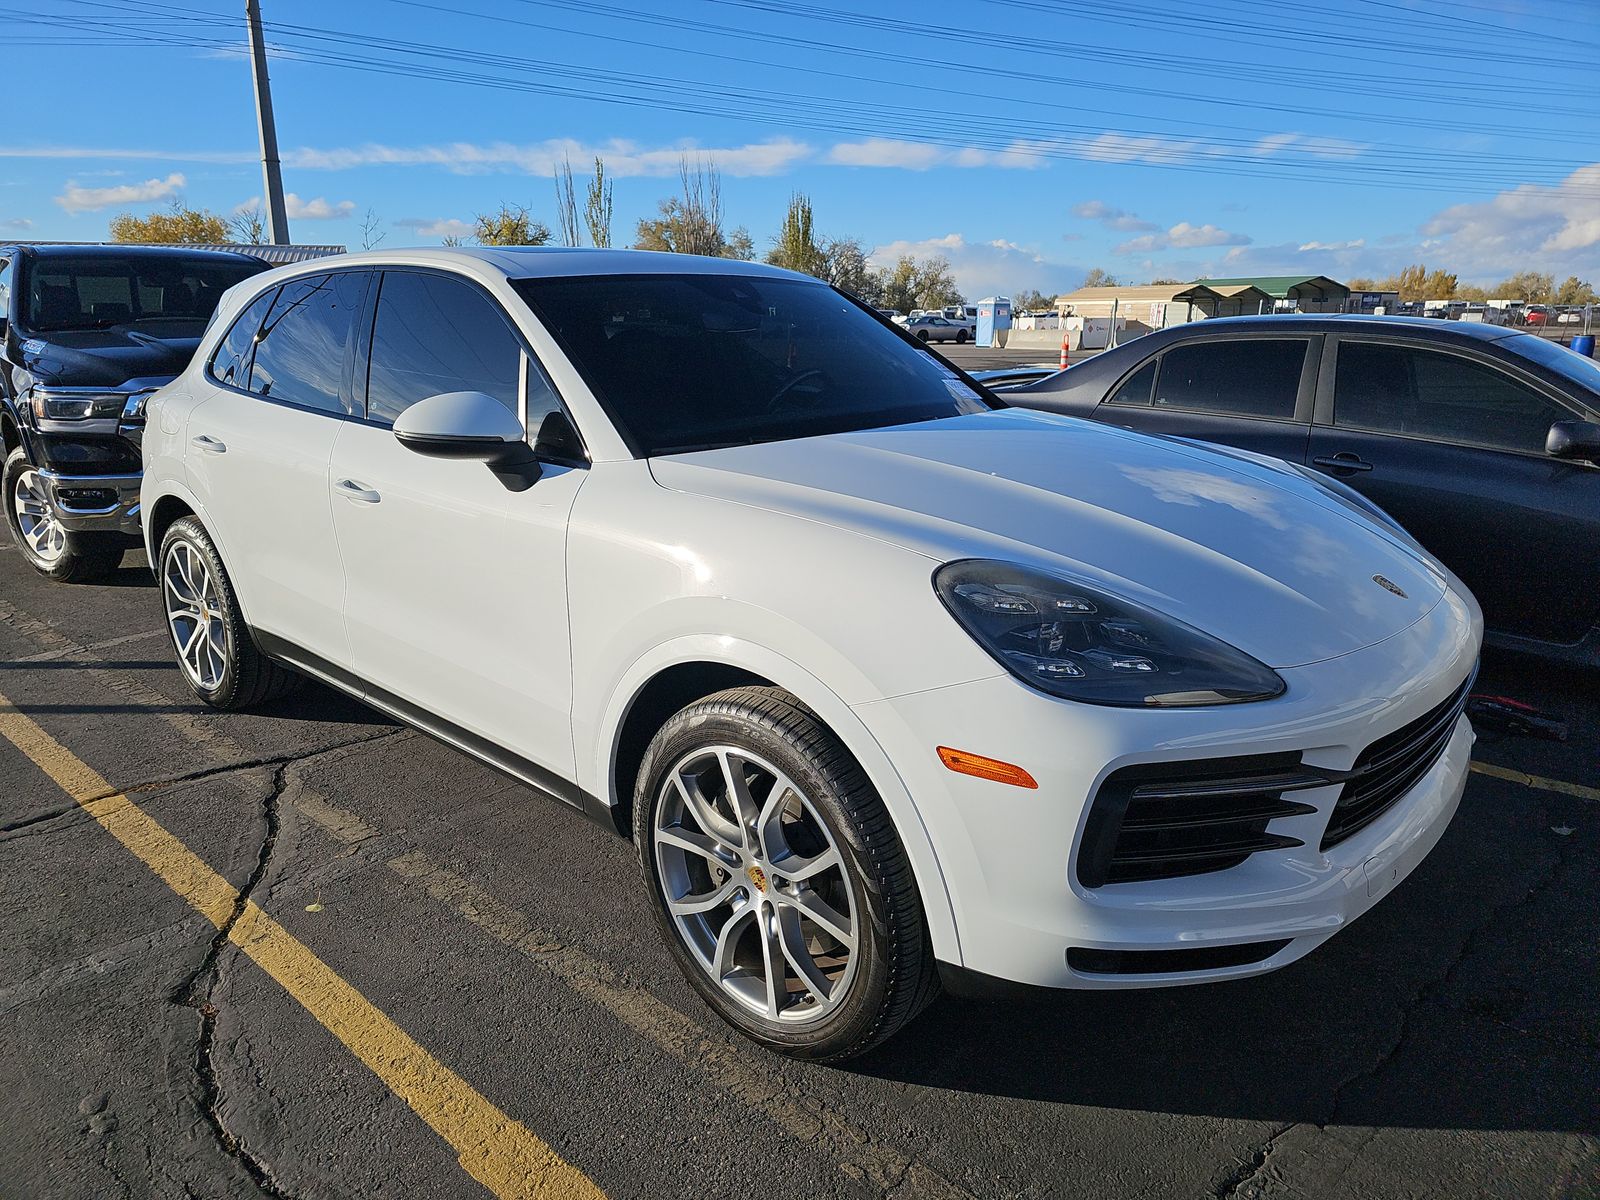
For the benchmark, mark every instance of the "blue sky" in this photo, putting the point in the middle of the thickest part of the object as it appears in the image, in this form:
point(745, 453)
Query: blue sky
point(1031, 141)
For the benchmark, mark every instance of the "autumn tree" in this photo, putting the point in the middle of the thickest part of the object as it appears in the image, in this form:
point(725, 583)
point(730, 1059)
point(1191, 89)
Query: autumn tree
point(597, 206)
point(691, 221)
point(919, 284)
point(1031, 300)
point(1098, 278)
point(177, 226)
point(512, 225)
point(1576, 291)
point(1531, 287)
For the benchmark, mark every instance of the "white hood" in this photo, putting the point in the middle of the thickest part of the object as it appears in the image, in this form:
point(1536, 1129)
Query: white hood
point(1261, 557)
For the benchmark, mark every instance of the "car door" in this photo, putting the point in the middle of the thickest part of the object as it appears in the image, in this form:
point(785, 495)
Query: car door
point(1451, 444)
point(1251, 392)
point(455, 593)
point(258, 452)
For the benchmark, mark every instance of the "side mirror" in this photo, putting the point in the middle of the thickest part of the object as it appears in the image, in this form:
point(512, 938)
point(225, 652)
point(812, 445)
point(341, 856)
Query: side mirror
point(1574, 439)
point(558, 441)
point(470, 425)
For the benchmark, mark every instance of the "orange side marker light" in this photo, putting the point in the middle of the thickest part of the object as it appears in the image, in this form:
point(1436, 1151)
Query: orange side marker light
point(985, 768)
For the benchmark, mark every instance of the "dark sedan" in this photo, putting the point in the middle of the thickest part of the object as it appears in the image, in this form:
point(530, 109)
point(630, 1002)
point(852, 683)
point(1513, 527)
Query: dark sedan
point(1483, 442)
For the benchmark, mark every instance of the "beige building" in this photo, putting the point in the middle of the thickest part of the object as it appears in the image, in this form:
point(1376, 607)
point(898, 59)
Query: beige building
point(1102, 316)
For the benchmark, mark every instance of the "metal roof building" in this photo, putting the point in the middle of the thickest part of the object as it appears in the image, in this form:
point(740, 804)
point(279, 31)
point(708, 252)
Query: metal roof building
point(276, 255)
point(1308, 293)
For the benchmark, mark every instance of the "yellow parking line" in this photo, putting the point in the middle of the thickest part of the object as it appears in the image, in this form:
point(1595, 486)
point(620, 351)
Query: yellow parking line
point(1582, 791)
point(500, 1153)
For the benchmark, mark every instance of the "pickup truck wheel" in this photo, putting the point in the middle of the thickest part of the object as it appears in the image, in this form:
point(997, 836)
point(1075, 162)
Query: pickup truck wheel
point(67, 556)
point(218, 657)
point(778, 879)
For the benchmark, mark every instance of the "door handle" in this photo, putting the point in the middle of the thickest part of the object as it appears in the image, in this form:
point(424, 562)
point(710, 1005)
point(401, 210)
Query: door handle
point(209, 444)
point(351, 490)
point(1344, 461)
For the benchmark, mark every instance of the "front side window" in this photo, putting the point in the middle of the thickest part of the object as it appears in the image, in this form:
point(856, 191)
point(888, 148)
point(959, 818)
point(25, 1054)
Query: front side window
point(693, 362)
point(301, 348)
point(1253, 377)
point(1445, 397)
point(230, 363)
point(436, 334)
point(99, 292)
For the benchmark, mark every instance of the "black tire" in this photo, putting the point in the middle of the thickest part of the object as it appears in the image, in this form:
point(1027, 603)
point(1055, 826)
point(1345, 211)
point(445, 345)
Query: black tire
point(248, 677)
point(895, 976)
point(961, 337)
point(83, 557)
point(922, 335)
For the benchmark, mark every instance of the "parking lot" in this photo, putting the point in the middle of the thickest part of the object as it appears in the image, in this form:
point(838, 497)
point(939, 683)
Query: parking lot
point(414, 978)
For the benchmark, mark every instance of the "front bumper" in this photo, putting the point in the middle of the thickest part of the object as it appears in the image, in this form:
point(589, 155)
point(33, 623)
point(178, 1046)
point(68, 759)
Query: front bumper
point(95, 503)
point(1008, 854)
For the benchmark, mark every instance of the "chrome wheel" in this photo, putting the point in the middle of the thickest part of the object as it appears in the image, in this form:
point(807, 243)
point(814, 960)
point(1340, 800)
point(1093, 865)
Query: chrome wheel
point(755, 885)
point(195, 615)
point(36, 518)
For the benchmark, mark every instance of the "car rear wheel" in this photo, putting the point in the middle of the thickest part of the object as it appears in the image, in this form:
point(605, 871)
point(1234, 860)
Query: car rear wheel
point(961, 337)
point(218, 657)
point(778, 879)
point(56, 552)
point(922, 335)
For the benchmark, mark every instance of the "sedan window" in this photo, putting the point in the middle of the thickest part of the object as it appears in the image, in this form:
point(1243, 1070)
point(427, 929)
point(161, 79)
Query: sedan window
point(1136, 389)
point(436, 334)
point(300, 351)
point(231, 362)
point(1250, 377)
point(1431, 394)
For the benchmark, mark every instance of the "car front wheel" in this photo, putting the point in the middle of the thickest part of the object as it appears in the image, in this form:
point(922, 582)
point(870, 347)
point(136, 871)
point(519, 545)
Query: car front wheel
point(922, 335)
point(56, 552)
point(778, 879)
point(961, 338)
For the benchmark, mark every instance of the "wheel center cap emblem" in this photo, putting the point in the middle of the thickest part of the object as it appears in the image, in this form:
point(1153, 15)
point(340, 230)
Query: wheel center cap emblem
point(1389, 585)
point(757, 877)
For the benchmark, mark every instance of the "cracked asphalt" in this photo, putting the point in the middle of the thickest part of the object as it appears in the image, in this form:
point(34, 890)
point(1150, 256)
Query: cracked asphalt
point(1446, 1045)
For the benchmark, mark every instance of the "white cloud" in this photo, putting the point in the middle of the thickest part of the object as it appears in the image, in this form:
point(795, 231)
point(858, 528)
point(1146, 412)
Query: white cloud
point(622, 158)
point(1119, 219)
point(17, 223)
point(1122, 148)
point(439, 227)
point(1182, 236)
point(76, 199)
point(112, 152)
point(1307, 247)
point(304, 210)
point(994, 268)
point(1532, 226)
point(920, 156)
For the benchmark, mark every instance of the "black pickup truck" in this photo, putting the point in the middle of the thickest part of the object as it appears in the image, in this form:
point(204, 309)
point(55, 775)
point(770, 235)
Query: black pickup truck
point(88, 333)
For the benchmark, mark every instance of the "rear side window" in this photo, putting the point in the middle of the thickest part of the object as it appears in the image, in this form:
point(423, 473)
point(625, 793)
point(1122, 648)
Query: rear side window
point(1135, 390)
point(1430, 394)
point(301, 348)
point(436, 334)
point(1255, 377)
point(231, 362)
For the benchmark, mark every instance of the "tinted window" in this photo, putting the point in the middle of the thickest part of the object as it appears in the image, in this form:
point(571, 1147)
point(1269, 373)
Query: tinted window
point(300, 351)
point(1430, 394)
point(101, 291)
point(694, 361)
point(1254, 377)
point(436, 334)
point(5, 290)
point(1136, 388)
point(231, 362)
point(1585, 372)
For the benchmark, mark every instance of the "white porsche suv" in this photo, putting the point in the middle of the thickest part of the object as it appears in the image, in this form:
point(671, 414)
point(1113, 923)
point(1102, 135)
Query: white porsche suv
point(891, 684)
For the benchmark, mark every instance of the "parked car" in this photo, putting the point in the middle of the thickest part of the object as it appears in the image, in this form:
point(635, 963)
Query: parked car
point(890, 683)
point(1481, 441)
point(88, 333)
point(929, 328)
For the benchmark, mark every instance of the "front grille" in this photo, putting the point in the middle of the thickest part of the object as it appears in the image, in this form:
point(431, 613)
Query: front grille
point(1167, 820)
point(1392, 766)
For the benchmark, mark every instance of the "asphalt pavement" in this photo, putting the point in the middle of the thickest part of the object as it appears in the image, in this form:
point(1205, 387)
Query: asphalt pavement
point(307, 953)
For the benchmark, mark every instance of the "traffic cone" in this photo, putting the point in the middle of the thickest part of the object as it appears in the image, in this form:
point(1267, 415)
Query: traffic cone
point(1063, 362)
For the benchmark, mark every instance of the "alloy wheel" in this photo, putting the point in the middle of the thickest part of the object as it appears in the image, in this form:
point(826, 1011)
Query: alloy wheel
point(755, 884)
point(195, 615)
point(36, 518)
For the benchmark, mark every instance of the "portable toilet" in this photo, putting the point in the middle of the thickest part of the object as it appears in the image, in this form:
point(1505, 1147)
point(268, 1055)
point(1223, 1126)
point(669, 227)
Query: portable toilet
point(994, 320)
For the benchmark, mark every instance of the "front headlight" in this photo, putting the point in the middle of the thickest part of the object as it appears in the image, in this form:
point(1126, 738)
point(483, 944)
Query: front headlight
point(1081, 643)
point(76, 404)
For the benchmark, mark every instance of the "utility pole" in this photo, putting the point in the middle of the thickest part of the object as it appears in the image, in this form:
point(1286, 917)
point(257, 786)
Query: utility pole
point(271, 172)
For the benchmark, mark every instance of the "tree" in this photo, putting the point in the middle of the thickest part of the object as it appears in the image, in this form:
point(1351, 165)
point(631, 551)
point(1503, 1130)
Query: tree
point(911, 284)
point(1575, 291)
point(371, 235)
point(795, 247)
point(177, 226)
point(248, 225)
point(511, 226)
point(567, 205)
point(691, 222)
point(845, 266)
point(739, 245)
point(1098, 278)
point(1363, 285)
point(1531, 287)
point(597, 206)
point(1471, 291)
point(1031, 300)
point(1416, 282)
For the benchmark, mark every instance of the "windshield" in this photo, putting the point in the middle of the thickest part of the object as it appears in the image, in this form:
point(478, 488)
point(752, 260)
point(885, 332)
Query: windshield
point(1569, 364)
point(695, 362)
point(98, 292)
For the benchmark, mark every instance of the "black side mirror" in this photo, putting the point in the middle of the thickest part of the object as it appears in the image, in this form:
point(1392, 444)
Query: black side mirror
point(558, 441)
point(1574, 439)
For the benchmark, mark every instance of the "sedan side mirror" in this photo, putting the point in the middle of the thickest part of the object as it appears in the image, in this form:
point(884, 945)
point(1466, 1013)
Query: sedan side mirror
point(1574, 439)
point(470, 425)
